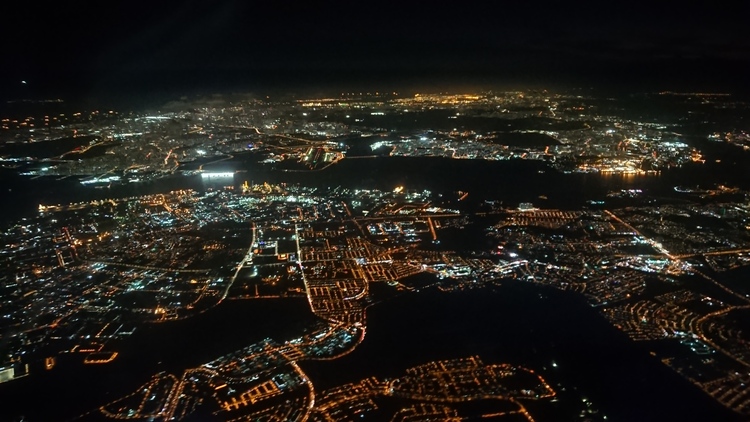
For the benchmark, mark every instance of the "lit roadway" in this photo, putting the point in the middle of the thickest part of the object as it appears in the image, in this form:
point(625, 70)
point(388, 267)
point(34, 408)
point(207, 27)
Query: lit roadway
point(145, 391)
point(248, 257)
point(228, 157)
point(411, 216)
point(82, 150)
point(699, 332)
point(148, 267)
point(654, 244)
point(697, 327)
point(726, 289)
point(301, 268)
point(172, 401)
point(714, 253)
point(363, 328)
point(660, 248)
point(362, 333)
point(311, 401)
point(432, 228)
point(244, 127)
point(443, 398)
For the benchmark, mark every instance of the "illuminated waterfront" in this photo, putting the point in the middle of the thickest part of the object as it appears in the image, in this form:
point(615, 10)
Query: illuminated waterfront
point(164, 347)
point(528, 325)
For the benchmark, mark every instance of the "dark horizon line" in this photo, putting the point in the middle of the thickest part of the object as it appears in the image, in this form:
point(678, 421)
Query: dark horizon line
point(158, 85)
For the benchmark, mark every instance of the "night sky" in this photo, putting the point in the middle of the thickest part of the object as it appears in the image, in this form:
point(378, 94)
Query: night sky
point(135, 48)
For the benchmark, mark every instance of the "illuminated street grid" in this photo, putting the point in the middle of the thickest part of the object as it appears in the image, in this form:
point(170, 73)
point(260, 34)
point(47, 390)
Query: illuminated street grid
point(644, 290)
point(80, 278)
point(445, 382)
point(82, 275)
point(622, 262)
point(75, 288)
point(264, 384)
